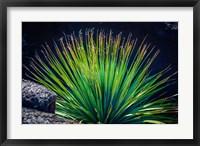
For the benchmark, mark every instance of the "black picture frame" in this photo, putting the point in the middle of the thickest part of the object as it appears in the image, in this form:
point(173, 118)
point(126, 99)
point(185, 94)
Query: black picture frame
point(98, 3)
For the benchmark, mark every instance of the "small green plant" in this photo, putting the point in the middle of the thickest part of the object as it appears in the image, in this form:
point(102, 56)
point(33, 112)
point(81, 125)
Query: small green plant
point(105, 79)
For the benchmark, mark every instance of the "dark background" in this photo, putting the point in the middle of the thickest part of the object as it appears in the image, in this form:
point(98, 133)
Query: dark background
point(164, 35)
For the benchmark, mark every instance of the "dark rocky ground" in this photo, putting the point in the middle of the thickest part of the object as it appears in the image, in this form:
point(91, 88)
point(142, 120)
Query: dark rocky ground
point(32, 116)
point(39, 105)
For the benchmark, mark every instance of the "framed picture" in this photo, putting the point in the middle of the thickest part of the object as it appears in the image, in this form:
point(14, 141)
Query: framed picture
point(99, 72)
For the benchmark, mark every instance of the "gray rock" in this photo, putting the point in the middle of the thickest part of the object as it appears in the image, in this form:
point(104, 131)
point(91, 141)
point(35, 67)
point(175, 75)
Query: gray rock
point(37, 97)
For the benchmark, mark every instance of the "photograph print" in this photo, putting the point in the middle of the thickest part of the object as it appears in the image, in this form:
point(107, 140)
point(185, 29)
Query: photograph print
point(99, 72)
